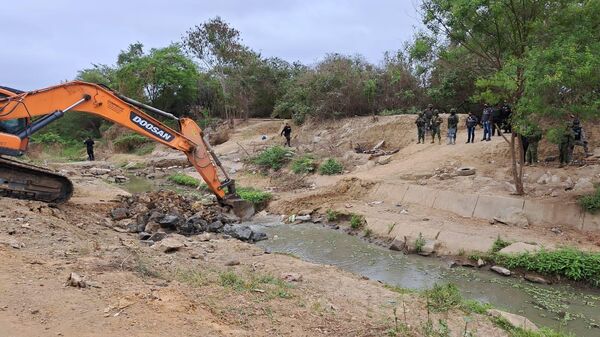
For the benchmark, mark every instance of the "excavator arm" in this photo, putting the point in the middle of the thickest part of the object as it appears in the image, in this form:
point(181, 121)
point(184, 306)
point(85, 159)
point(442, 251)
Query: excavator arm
point(53, 102)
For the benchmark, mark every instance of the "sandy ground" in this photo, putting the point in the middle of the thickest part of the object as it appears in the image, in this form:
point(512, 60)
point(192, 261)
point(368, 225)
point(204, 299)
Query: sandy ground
point(136, 290)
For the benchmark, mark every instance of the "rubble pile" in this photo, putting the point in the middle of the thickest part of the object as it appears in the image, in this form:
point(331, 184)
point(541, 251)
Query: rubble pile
point(154, 215)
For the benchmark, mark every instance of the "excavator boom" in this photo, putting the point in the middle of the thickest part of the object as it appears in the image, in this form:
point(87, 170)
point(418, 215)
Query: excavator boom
point(53, 102)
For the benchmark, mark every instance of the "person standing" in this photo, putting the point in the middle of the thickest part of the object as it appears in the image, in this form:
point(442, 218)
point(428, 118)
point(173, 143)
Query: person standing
point(496, 120)
point(428, 115)
point(533, 139)
point(471, 124)
point(436, 122)
point(580, 139)
point(287, 133)
point(565, 145)
point(486, 122)
point(506, 115)
point(89, 144)
point(452, 127)
point(421, 128)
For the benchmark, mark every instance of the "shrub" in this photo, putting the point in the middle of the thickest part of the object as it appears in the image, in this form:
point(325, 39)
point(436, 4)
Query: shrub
point(331, 167)
point(255, 196)
point(272, 158)
point(357, 221)
point(184, 179)
point(368, 232)
point(331, 215)
point(591, 203)
point(304, 164)
point(442, 298)
point(130, 142)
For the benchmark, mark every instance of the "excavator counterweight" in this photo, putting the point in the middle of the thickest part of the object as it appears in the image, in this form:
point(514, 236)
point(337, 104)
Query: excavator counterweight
point(18, 109)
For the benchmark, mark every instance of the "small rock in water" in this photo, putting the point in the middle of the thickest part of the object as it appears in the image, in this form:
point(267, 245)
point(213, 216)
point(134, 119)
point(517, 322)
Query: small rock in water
point(536, 279)
point(480, 263)
point(501, 270)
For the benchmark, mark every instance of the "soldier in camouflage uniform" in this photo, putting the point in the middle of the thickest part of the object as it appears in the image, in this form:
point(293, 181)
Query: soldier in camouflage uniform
point(452, 127)
point(428, 115)
point(421, 127)
point(533, 138)
point(566, 144)
point(580, 139)
point(436, 122)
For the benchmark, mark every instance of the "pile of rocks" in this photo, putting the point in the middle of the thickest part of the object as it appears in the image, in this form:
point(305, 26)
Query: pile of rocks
point(155, 214)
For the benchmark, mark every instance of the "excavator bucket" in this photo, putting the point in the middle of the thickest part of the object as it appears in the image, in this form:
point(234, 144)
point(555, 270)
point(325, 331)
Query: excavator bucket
point(241, 208)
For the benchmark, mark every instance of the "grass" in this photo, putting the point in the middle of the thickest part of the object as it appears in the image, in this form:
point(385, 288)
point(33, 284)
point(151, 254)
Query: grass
point(368, 232)
point(304, 164)
point(331, 167)
point(273, 287)
point(442, 298)
point(331, 215)
point(272, 158)
point(518, 332)
point(192, 277)
point(591, 203)
point(255, 196)
point(184, 180)
point(357, 221)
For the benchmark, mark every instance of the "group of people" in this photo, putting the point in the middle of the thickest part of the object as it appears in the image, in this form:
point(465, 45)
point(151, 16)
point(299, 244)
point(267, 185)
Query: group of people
point(497, 120)
point(492, 120)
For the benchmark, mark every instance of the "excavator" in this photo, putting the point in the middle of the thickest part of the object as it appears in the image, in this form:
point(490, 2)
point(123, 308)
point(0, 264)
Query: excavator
point(22, 114)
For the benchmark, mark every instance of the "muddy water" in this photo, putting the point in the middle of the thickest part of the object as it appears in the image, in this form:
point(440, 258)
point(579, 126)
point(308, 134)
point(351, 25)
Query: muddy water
point(544, 305)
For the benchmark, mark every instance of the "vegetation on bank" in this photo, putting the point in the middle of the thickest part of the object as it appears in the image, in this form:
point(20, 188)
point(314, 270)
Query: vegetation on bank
point(304, 164)
point(257, 197)
point(272, 158)
point(591, 203)
point(567, 262)
point(184, 180)
point(331, 167)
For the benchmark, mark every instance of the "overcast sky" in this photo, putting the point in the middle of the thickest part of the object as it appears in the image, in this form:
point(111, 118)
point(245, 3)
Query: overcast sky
point(47, 41)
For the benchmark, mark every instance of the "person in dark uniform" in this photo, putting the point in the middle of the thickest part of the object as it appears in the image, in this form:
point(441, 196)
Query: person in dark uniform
point(496, 120)
point(471, 124)
point(287, 133)
point(89, 144)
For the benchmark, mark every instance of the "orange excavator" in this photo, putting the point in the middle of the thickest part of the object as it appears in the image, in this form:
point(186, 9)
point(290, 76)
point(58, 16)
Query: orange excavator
point(24, 113)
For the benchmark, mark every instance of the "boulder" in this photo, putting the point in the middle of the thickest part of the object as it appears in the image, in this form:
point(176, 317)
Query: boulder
point(398, 245)
point(158, 236)
point(99, 171)
point(119, 213)
point(519, 248)
point(151, 227)
point(192, 226)
point(480, 263)
point(302, 218)
point(215, 227)
point(239, 232)
point(583, 185)
point(384, 160)
point(120, 179)
point(515, 320)
point(291, 277)
point(512, 216)
point(501, 270)
point(204, 237)
point(258, 236)
point(169, 220)
point(430, 247)
point(536, 279)
point(169, 245)
point(144, 236)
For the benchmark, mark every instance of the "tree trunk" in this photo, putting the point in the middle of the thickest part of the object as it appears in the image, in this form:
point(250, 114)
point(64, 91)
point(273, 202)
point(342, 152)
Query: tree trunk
point(517, 170)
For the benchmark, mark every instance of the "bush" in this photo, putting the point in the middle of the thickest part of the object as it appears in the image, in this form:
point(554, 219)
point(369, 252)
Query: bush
point(184, 179)
point(568, 262)
point(272, 158)
point(255, 196)
point(304, 164)
point(130, 142)
point(357, 221)
point(591, 203)
point(419, 243)
point(331, 215)
point(331, 167)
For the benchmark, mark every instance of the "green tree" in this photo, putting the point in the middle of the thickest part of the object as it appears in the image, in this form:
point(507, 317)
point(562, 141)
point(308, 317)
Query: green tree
point(501, 34)
point(164, 78)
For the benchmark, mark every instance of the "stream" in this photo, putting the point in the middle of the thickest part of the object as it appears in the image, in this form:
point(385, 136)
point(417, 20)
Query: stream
point(558, 307)
point(561, 307)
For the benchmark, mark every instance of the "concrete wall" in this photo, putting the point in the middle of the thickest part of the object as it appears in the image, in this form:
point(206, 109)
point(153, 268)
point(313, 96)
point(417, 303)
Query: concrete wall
point(487, 206)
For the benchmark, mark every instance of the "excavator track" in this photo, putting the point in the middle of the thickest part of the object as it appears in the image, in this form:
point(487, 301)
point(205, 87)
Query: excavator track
point(23, 181)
